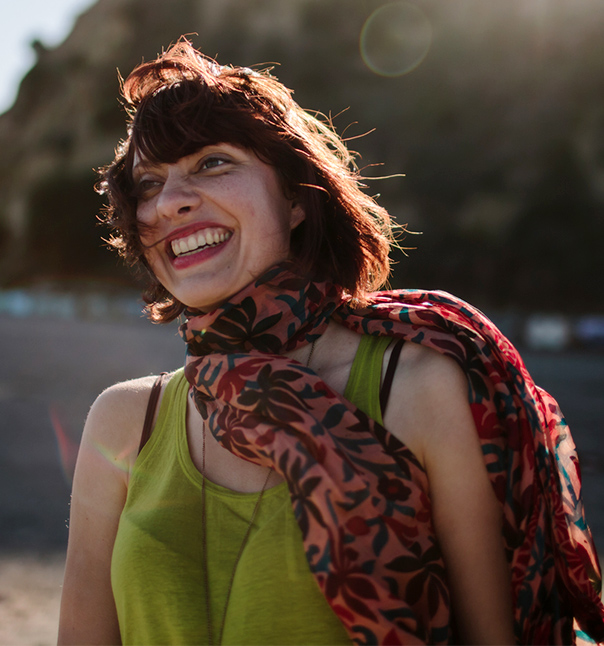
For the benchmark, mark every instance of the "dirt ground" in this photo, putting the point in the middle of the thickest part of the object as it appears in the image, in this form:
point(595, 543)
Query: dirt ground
point(51, 372)
point(30, 593)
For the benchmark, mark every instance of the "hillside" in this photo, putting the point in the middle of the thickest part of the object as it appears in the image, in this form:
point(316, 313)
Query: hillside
point(499, 130)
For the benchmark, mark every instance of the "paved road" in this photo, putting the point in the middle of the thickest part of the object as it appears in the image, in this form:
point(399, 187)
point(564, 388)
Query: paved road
point(56, 367)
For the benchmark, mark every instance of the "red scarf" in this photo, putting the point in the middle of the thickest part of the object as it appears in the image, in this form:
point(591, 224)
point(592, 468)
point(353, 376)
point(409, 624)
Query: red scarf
point(360, 496)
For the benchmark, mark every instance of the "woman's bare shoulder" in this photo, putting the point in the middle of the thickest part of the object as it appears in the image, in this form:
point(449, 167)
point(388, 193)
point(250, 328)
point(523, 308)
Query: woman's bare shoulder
point(430, 368)
point(124, 400)
point(116, 418)
point(429, 390)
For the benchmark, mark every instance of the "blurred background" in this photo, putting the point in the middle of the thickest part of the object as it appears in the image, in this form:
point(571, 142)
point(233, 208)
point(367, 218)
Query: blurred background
point(493, 111)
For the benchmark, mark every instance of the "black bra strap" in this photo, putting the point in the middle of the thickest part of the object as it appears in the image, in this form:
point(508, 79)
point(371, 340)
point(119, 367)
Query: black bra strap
point(389, 377)
point(151, 406)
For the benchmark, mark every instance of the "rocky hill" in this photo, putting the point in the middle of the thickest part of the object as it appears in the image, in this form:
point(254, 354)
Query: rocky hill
point(499, 130)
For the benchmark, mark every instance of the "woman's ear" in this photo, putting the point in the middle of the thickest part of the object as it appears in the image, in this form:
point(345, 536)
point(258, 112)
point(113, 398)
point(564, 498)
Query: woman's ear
point(297, 214)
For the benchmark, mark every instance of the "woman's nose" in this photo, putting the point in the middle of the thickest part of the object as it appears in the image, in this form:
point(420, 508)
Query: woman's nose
point(177, 198)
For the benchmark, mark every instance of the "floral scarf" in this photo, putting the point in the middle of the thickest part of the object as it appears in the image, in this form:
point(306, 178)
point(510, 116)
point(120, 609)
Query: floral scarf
point(360, 496)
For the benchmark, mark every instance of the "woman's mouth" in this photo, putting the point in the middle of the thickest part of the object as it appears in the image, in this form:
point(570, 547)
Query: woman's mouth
point(198, 241)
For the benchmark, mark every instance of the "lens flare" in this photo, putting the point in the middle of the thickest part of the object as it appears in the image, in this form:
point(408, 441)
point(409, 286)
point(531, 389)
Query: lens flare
point(68, 449)
point(395, 39)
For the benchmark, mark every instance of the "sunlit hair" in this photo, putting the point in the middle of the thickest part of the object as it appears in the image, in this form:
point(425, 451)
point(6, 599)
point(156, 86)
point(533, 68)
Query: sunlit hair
point(184, 101)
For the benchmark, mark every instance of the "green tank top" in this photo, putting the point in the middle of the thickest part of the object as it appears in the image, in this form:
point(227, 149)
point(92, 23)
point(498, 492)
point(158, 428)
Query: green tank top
point(156, 568)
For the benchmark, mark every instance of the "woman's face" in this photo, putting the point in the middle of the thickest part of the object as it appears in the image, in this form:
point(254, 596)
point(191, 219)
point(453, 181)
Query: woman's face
point(212, 222)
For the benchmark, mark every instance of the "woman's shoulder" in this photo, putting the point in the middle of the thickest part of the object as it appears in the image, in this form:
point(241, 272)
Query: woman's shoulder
point(435, 382)
point(124, 400)
point(430, 368)
point(116, 418)
point(428, 398)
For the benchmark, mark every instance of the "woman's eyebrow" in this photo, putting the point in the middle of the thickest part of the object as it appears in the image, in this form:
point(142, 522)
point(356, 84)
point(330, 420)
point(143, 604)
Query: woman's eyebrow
point(142, 166)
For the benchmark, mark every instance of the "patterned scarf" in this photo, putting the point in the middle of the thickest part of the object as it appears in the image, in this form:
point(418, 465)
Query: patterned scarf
point(360, 496)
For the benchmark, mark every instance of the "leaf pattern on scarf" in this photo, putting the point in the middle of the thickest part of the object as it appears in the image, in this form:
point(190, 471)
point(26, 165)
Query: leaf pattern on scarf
point(360, 496)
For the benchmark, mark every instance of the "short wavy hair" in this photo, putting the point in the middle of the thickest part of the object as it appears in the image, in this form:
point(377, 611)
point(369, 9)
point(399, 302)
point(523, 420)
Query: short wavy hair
point(183, 101)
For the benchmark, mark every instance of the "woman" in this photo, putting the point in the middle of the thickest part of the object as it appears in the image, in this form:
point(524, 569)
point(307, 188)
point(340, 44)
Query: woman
point(266, 502)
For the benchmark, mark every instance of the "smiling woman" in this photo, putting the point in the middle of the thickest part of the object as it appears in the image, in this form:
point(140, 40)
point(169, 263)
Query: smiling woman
point(332, 464)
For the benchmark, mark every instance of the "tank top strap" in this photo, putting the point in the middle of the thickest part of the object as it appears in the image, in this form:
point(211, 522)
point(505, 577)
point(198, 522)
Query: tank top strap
point(363, 387)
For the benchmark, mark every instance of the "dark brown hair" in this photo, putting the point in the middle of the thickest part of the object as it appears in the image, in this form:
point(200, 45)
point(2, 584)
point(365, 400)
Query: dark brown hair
point(184, 101)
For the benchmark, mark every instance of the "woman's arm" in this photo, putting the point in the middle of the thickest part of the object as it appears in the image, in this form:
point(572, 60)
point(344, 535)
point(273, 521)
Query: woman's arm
point(429, 411)
point(107, 451)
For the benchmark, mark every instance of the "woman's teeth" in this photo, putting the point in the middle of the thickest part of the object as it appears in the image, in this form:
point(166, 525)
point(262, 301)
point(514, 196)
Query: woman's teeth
point(199, 240)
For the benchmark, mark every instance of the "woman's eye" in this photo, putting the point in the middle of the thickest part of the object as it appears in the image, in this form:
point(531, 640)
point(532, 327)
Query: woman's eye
point(145, 187)
point(212, 162)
